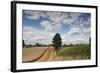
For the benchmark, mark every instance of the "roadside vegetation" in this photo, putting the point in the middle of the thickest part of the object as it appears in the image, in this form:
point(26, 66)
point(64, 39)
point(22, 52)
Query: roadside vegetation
point(82, 51)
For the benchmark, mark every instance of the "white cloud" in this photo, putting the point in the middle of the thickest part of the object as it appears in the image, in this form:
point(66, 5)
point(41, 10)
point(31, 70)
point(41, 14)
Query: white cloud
point(88, 22)
point(34, 15)
point(54, 22)
point(31, 34)
point(79, 30)
point(71, 18)
point(77, 35)
point(75, 39)
point(55, 19)
point(74, 30)
point(85, 22)
point(47, 25)
point(68, 21)
point(50, 26)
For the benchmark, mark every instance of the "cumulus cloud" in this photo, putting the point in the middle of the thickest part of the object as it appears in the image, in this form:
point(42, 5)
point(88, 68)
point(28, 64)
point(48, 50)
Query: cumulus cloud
point(34, 15)
point(31, 34)
point(85, 22)
point(75, 39)
point(52, 22)
point(71, 18)
point(76, 30)
point(55, 19)
point(77, 35)
point(50, 26)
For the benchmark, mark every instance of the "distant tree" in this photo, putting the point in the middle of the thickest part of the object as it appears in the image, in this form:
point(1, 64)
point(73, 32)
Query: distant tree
point(90, 40)
point(37, 44)
point(50, 44)
point(23, 43)
point(30, 45)
point(57, 41)
point(71, 44)
point(33, 45)
point(64, 45)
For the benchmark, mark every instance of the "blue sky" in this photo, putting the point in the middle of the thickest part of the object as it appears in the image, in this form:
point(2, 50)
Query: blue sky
point(41, 26)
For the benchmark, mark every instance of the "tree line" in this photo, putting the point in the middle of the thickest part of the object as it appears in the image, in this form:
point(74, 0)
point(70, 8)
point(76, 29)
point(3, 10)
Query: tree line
point(56, 43)
point(35, 45)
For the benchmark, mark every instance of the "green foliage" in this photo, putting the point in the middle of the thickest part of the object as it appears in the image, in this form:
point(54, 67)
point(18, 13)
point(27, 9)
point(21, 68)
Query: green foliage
point(64, 45)
point(90, 40)
point(23, 42)
point(57, 41)
point(71, 44)
point(83, 51)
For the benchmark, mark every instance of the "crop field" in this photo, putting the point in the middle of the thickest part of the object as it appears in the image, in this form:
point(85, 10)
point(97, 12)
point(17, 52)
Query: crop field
point(41, 54)
point(77, 52)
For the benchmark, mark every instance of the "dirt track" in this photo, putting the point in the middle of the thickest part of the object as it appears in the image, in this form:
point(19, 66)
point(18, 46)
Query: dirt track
point(39, 54)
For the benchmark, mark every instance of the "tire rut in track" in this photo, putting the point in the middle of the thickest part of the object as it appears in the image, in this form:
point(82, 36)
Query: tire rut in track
point(47, 55)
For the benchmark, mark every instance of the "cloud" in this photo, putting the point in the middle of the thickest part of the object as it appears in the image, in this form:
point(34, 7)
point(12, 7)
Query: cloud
point(71, 18)
point(52, 22)
point(77, 35)
point(50, 26)
point(75, 39)
point(74, 30)
point(34, 15)
point(79, 30)
point(31, 37)
point(31, 34)
point(55, 19)
point(85, 22)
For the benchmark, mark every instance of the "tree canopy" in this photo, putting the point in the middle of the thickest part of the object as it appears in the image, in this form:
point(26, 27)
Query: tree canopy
point(57, 41)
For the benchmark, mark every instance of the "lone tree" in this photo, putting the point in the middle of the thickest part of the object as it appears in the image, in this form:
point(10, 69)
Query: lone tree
point(57, 41)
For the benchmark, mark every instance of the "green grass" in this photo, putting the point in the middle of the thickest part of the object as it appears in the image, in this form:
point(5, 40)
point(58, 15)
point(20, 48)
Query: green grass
point(82, 51)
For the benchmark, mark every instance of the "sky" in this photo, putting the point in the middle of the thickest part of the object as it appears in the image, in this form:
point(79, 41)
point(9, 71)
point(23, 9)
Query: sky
point(41, 26)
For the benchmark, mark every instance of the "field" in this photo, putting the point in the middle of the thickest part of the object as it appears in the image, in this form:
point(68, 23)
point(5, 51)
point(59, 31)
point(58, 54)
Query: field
point(29, 54)
point(77, 52)
point(41, 54)
point(38, 54)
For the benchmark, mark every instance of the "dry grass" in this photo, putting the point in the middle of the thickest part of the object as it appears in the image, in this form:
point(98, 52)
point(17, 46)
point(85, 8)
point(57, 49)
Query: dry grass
point(29, 54)
point(38, 54)
point(43, 54)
